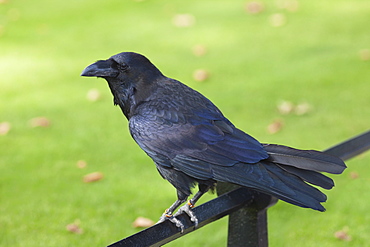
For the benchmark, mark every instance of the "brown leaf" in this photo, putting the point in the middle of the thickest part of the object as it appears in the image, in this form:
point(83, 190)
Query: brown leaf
point(75, 227)
point(290, 5)
point(254, 7)
point(343, 234)
point(93, 95)
point(302, 108)
point(93, 177)
point(4, 128)
point(354, 175)
point(278, 20)
point(39, 122)
point(81, 164)
point(285, 107)
point(199, 50)
point(200, 75)
point(364, 54)
point(275, 126)
point(183, 20)
point(142, 222)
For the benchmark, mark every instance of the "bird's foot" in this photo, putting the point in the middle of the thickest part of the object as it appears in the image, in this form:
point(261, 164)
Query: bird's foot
point(171, 218)
point(187, 209)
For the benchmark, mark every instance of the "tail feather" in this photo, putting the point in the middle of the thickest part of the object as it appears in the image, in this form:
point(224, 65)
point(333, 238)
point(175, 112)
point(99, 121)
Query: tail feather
point(311, 177)
point(269, 178)
point(286, 174)
point(304, 159)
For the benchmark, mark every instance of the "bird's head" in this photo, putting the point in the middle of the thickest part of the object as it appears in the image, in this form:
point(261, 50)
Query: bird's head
point(127, 67)
point(129, 76)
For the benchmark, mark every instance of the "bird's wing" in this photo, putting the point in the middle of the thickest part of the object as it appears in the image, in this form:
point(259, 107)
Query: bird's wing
point(194, 142)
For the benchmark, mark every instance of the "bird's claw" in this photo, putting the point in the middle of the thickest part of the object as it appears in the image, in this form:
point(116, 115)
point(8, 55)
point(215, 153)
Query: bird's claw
point(173, 219)
point(187, 209)
point(184, 209)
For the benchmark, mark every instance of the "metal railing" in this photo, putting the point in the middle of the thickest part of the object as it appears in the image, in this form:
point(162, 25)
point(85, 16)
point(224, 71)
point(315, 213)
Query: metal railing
point(246, 208)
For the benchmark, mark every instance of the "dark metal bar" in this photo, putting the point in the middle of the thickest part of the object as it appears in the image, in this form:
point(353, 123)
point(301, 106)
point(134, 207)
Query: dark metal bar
point(351, 147)
point(208, 212)
point(248, 225)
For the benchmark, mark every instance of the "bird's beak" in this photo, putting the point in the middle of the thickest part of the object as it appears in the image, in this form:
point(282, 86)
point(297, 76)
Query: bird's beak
point(102, 68)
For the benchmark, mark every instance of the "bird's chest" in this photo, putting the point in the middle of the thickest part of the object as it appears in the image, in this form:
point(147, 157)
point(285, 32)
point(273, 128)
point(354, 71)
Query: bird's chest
point(149, 128)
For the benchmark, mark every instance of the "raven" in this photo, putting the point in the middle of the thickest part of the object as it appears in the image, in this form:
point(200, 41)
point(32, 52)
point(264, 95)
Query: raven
point(192, 143)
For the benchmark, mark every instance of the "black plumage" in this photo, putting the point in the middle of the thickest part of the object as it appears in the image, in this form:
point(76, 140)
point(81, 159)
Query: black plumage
point(191, 141)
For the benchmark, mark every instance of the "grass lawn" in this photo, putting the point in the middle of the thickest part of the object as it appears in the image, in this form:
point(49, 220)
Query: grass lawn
point(315, 53)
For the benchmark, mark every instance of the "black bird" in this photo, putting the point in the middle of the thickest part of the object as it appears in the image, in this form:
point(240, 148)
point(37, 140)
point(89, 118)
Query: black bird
point(191, 142)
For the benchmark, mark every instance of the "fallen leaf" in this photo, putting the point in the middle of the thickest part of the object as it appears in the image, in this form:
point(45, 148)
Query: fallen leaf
point(254, 7)
point(183, 20)
point(75, 227)
point(199, 50)
point(81, 164)
point(343, 234)
point(275, 126)
point(302, 108)
point(142, 222)
point(93, 177)
point(4, 128)
point(200, 75)
point(278, 20)
point(93, 95)
point(290, 5)
point(354, 175)
point(285, 107)
point(39, 122)
point(364, 54)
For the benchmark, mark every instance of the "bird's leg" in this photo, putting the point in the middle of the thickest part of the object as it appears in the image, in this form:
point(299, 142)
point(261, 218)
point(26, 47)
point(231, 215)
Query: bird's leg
point(168, 214)
point(191, 203)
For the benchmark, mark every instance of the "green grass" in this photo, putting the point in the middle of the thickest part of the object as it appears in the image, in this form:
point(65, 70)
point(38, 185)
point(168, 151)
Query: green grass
point(44, 47)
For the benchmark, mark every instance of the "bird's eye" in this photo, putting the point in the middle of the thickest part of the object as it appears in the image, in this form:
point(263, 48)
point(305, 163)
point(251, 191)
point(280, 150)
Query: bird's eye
point(123, 67)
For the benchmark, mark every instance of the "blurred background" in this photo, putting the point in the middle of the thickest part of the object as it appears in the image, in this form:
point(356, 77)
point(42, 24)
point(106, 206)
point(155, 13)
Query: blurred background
point(285, 71)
